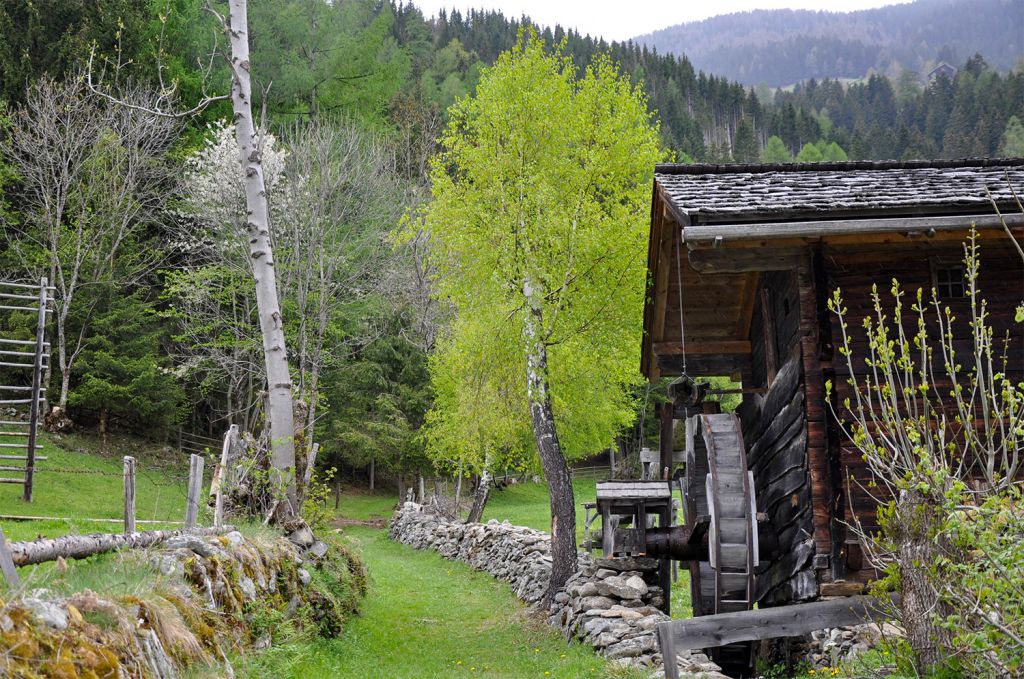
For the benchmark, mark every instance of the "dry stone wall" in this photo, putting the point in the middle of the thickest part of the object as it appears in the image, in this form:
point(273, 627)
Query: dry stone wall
point(611, 604)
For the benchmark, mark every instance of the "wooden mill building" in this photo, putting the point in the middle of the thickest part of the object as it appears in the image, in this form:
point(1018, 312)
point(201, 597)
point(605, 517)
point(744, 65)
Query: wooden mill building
point(744, 259)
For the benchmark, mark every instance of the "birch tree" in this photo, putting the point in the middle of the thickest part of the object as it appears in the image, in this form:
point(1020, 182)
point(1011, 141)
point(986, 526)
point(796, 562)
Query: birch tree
point(275, 353)
point(538, 223)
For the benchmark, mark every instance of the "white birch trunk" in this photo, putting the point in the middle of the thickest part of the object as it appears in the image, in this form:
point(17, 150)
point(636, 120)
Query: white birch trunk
point(279, 383)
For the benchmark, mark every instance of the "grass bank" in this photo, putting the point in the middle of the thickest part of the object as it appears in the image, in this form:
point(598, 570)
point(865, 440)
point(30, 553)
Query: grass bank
point(82, 479)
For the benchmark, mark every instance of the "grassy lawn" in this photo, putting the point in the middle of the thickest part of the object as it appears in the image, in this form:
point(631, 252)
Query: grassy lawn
point(429, 617)
point(82, 479)
point(526, 504)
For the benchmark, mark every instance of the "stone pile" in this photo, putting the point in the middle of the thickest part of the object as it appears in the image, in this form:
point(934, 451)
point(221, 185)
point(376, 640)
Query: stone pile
point(832, 646)
point(611, 604)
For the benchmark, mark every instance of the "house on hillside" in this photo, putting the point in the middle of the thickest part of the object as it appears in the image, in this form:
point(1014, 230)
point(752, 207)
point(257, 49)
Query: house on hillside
point(943, 70)
point(741, 262)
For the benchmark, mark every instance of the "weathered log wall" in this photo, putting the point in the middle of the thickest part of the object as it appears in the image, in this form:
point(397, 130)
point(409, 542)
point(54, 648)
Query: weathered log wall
point(854, 270)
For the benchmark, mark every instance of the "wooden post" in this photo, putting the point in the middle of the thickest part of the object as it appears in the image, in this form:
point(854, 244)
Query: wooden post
point(37, 376)
point(373, 472)
point(195, 482)
point(224, 472)
point(665, 466)
point(7, 563)
point(129, 494)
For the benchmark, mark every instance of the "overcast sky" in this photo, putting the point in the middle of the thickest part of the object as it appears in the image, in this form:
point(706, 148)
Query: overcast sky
point(622, 19)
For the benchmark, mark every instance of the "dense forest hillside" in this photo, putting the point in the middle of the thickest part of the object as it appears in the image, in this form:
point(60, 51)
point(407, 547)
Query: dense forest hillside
point(156, 328)
point(783, 47)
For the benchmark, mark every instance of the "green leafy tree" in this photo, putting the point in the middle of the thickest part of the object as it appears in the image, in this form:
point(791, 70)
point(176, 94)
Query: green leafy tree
point(775, 151)
point(832, 151)
point(809, 154)
point(538, 222)
point(1013, 139)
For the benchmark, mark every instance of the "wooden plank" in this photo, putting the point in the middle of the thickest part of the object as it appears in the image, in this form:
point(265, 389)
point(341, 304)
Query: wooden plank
point(669, 652)
point(742, 260)
point(20, 342)
point(706, 347)
point(25, 286)
point(768, 231)
point(7, 563)
point(713, 631)
point(195, 482)
point(129, 494)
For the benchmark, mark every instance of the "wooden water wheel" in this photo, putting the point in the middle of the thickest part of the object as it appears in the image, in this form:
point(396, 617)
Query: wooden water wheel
point(718, 488)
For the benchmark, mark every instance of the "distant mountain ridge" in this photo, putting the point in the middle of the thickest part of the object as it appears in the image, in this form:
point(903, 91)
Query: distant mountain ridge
point(782, 47)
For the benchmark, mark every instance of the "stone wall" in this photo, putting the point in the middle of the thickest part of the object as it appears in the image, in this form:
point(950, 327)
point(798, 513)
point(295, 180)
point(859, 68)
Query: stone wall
point(191, 606)
point(611, 604)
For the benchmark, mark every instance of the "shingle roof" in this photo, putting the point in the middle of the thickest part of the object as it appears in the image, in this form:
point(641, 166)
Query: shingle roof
point(717, 192)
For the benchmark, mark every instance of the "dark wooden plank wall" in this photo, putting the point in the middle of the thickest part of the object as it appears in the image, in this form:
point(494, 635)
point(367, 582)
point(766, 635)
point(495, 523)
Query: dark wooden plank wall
point(854, 269)
point(775, 433)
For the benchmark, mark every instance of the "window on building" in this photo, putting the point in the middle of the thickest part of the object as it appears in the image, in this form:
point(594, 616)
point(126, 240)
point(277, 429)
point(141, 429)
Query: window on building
point(948, 280)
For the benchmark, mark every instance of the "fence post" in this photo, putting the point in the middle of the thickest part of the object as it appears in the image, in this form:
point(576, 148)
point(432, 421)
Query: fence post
point(223, 473)
point(195, 483)
point(129, 494)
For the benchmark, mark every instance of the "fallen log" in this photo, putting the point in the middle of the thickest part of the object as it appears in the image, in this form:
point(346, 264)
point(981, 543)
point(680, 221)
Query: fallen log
point(83, 546)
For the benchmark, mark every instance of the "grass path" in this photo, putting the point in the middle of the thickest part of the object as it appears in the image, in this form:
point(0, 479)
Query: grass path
point(428, 617)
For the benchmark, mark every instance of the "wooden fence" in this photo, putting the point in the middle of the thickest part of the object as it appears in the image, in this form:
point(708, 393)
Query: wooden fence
point(23, 361)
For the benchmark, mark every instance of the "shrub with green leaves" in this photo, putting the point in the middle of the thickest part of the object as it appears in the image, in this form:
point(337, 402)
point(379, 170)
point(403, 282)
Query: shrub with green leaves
point(942, 435)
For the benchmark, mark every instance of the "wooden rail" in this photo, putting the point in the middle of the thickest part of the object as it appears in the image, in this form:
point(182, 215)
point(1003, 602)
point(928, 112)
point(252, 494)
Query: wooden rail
point(711, 631)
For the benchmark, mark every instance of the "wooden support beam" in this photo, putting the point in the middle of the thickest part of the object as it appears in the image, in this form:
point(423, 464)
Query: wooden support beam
point(712, 631)
point(743, 260)
point(665, 442)
point(924, 226)
point(703, 348)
